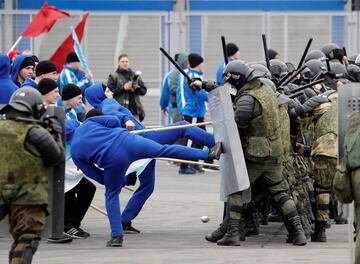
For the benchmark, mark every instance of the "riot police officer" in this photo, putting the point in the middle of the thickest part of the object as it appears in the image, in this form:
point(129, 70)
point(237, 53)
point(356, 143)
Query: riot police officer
point(27, 149)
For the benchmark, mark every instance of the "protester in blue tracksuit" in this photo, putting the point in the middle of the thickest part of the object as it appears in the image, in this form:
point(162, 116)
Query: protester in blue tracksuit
point(44, 69)
point(97, 98)
point(165, 105)
point(22, 68)
point(101, 142)
point(68, 75)
point(233, 54)
point(191, 103)
point(7, 86)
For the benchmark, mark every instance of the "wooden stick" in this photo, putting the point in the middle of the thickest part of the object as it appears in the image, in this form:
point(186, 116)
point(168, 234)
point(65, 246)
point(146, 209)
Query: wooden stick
point(129, 189)
point(101, 211)
point(136, 132)
point(190, 162)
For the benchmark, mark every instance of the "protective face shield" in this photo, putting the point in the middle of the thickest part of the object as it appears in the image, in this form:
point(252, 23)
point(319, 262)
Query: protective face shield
point(333, 51)
point(237, 73)
point(278, 70)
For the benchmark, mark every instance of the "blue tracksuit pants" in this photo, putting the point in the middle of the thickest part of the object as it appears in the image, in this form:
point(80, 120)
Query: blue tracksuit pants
point(127, 150)
point(147, 177)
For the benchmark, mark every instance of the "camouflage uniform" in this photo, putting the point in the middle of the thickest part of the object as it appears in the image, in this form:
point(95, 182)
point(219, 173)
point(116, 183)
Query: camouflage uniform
point(324, 155)
point(23, 188)
point(263, 152)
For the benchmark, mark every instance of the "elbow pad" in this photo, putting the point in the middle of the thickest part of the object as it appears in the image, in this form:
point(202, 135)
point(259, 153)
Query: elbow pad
point(50, 151)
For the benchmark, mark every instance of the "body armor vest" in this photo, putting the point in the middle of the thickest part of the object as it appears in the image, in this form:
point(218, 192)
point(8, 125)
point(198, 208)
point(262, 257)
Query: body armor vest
point(262, 137)
point(20, 165)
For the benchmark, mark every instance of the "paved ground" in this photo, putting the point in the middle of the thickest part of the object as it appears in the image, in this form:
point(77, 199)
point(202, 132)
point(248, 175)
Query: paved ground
point(172, 232)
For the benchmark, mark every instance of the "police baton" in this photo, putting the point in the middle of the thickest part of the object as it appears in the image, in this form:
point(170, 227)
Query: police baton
point(305, 53)
point(223, 44)
point(181, 70)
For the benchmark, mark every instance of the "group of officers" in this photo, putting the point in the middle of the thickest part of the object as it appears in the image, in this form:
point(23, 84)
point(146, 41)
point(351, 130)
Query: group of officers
point(287, 123)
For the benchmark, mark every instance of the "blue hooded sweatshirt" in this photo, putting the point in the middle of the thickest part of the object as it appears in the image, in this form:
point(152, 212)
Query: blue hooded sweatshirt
point(7, 87)
point(16, 68)
point(109, 106)
point(29, 83)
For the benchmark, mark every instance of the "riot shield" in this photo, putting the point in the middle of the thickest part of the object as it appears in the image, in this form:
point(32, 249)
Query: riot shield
point(234, 176)
point(55, 223)
point(348, 102)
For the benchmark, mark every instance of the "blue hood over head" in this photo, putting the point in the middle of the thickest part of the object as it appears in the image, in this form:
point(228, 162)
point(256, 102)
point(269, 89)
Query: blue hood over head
point(95, 95)
point(7, 87)
point(16, 67)
point(4, 66)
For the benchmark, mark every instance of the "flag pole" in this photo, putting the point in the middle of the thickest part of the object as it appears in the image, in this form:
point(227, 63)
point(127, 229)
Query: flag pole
point(15, 44)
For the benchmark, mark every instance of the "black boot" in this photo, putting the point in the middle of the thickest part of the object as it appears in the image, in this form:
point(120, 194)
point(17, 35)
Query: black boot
point(232, 236)
point(218, 233)
point(319, 235)
point(252, 221)
point(297, 233)
point(215, 151)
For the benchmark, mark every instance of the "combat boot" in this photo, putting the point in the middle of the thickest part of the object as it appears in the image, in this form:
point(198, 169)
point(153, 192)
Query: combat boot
point(218, 233)
point(252, 221)
point(297, 233)
point(232, 236)
point(319, 235)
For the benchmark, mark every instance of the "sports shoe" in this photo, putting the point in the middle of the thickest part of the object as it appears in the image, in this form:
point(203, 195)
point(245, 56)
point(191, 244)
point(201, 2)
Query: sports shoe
point(129, 229)
point(76, 232)
point(187, 170)
point(198, 168)
point(115, 242)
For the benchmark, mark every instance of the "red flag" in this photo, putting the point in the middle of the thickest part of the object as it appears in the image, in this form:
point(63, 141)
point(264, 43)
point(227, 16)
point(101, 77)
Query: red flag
point(59, 56)
point(44, 20)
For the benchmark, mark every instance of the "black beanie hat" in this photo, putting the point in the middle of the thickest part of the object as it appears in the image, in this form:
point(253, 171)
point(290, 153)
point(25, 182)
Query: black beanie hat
point(35, 58)
point(46, 85)
point(72, 57)
point(44, 67)
point(28, 61)
point(195, 60)
point(231, 49)
point(70, 91)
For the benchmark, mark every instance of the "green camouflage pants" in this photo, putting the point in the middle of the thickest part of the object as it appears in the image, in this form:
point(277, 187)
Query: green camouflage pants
point(26, 224)
point(324, 170)
point(269, 175)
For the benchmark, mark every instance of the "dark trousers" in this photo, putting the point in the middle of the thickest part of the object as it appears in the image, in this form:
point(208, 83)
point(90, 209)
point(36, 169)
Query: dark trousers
point(77, 202)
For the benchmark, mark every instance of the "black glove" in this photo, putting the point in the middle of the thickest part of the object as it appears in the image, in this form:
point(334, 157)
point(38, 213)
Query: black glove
point(131, 179)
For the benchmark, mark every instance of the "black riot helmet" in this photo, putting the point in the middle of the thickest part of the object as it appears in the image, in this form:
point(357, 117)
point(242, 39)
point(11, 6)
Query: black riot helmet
point(352, 58)
point(314, 55)
point(333, 51)
point(313, 67)
point(28, 101)
point(353, 73)
point(260, 71)
point(278, 70)
point(237, 73)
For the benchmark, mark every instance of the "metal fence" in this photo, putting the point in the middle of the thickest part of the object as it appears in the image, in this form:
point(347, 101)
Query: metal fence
point(140, 35)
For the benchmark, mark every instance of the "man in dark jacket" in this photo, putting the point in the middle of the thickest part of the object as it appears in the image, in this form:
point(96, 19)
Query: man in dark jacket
point(127, 87)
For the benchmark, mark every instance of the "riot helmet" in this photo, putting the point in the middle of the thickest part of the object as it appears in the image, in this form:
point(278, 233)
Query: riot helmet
point(278, 70)
point(260, 71)
point(353, 73)
point(333, 51)
point(314, 55)
point(313, 68)
point(28, 101)
point(237, 73)
point(338, 70)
